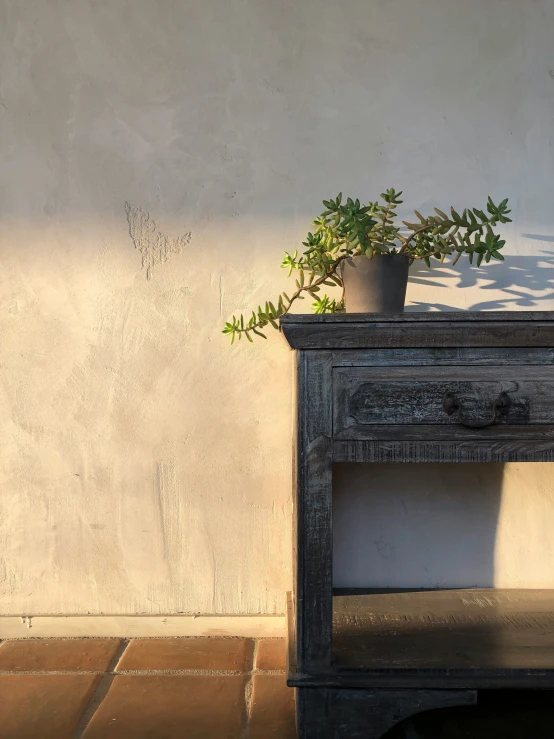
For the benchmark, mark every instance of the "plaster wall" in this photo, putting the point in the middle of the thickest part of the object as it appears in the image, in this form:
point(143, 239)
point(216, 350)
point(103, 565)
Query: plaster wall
point(156, 159)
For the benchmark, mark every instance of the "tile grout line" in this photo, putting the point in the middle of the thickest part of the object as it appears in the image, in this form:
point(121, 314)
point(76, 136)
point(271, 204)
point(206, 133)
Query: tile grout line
point(106, 677)
point(100, 692)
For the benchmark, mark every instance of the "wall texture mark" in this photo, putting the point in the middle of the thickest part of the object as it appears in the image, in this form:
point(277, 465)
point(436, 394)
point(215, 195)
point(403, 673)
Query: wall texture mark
point(154, 246)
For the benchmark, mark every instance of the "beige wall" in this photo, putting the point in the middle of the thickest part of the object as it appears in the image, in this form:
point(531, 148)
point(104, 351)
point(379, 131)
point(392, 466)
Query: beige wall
point(144, 464)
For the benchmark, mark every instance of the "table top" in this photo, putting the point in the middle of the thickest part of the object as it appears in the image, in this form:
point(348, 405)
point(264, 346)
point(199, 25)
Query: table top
point(415, 330)
point(466, 315)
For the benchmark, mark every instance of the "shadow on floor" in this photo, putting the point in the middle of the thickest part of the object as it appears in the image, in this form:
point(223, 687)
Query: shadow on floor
point(501, 715)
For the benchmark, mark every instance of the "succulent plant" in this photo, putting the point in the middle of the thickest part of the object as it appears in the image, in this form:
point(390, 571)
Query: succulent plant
point(351, 229)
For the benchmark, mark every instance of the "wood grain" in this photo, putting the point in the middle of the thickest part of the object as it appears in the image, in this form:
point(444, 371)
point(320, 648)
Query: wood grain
point(419, 317)
point(407, 402)
point(368, 714)
point(408, 335)
point(532, 450)
point(291, 634)
point(439, 356)
point(313, 501)
point(314, 709)
point(445, 629)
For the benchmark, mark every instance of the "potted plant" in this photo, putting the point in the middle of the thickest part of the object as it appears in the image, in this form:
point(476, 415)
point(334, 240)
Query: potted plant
point(362, 249)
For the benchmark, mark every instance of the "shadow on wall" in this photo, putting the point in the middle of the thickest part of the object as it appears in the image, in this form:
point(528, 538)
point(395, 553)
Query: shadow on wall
point(528, 281)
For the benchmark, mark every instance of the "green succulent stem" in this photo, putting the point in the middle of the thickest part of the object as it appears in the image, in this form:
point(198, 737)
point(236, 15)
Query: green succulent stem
point(269, 316)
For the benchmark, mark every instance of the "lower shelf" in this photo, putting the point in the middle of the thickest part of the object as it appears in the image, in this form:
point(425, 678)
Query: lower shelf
point(471, 639)
point(444, 629)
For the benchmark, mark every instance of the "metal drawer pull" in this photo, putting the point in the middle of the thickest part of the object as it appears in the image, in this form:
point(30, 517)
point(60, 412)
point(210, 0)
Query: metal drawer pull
point(452, 405)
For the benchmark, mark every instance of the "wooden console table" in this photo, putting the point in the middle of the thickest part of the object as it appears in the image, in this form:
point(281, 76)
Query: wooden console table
point(415, 387)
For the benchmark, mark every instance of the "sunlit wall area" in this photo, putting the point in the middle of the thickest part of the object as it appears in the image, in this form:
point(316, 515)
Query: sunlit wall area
point(156, 159)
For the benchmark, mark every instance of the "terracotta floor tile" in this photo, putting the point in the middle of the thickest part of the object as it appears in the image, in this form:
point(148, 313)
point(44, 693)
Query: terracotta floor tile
point(57, 654)
point(273, 710)
point(271, 654)
point(186, 654)
point(43, 706)
point(170, 707)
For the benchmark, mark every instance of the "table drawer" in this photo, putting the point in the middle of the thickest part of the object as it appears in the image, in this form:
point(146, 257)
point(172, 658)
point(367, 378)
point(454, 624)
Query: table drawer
point(443, 402)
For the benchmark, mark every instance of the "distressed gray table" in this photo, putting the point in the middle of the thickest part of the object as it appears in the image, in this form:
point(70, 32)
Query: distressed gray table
point(428, 387)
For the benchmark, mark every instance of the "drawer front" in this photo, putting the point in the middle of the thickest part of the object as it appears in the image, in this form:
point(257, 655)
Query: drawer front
point(443, 402)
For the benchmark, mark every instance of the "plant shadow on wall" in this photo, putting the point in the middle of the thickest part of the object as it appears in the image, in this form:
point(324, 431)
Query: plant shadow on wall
point(527, 281)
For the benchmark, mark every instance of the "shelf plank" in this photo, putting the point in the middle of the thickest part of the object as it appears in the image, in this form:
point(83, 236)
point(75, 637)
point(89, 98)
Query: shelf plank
point(473, 450)
point(449, 630)
point(419, 316)
point(413, 331)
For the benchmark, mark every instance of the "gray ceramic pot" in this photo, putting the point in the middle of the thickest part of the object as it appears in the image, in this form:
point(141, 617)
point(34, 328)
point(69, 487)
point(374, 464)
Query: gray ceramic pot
point(375, 285)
